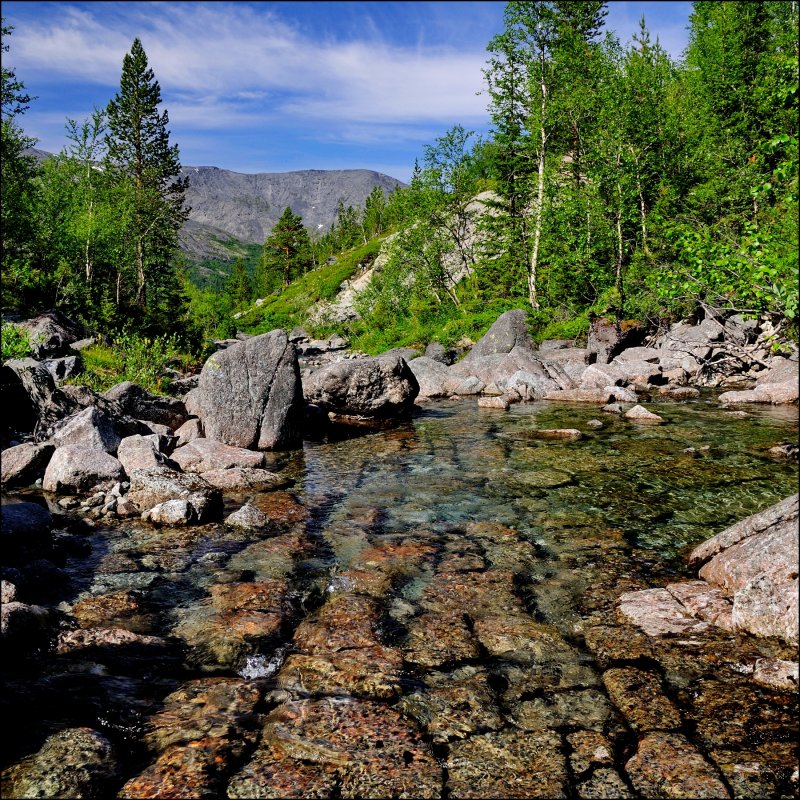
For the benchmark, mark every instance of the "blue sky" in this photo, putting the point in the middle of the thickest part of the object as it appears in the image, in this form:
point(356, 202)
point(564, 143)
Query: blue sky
point(272, 87)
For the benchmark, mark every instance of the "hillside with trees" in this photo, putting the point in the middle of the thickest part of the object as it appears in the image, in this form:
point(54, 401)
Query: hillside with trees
point(615, 180)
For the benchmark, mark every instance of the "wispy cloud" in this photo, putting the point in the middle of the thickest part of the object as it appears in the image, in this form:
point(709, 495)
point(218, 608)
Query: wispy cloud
point(257, 86)
point(230, 62)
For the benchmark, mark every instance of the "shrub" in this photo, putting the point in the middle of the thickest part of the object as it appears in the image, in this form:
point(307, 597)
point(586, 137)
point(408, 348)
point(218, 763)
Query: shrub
point(130, 357)
point(15, 343)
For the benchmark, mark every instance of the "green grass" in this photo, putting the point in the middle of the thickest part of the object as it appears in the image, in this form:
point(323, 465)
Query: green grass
point(15, 343)
point(292, 306)
point(130, 357)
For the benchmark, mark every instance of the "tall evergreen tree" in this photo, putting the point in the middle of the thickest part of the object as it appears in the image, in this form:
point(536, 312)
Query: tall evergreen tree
point(286, 254)
point(139, 152)
point(16, 184)
point(239, 286)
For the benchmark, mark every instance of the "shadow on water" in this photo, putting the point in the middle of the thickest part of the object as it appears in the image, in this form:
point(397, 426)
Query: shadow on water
point(624, 503)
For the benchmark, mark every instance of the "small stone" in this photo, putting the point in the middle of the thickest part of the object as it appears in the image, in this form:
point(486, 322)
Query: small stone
point(641, 414)
point(594, 423)
point(776, 674)
point(569, 434)
point(248, 517)
point(612, 408)
point(500, 402)
point(589, 749)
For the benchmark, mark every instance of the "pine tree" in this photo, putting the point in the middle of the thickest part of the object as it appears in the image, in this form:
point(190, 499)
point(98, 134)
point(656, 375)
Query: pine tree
point(16, 184)
point(239, 286)
point(139, 153)
point(286, 254)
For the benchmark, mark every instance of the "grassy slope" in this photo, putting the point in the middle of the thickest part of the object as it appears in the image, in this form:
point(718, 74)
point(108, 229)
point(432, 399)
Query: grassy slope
point(292, 306)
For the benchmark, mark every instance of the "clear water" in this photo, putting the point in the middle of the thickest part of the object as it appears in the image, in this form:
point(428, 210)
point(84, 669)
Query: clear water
point(625, 503)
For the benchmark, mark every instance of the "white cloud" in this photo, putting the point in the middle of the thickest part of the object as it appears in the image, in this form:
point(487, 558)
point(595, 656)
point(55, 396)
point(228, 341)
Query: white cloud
point(232, 60)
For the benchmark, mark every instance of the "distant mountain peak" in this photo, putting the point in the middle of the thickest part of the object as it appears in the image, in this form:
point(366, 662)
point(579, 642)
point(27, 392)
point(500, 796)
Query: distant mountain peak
point(246, 206)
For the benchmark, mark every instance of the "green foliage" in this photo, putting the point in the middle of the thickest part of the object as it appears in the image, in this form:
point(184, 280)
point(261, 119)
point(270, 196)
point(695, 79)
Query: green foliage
point(130, 357)
point(145, 166)
point(17, 195)
point(291, 306)
point(286, 254)
point(571, 328)
point(15, 343)
point(754, 272)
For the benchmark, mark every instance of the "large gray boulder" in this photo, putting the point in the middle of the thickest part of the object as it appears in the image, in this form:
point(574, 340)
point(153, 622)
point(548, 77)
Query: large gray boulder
point(152, 487)
point(202, 455)
point(141, 404)
point(778, 385)
point(51, 334)
point(249, 395)
point(380, 387)
point(89, 428)
point(690, 346)
point(62, 368)
point(23, 464)
point(433, 377)
point(26, 387)
point(756, 563)
point(607, 338)
point(566, 355)
point(598, 376)
point(143, 452)
point(74, 469)
point(500, 369)
point(508, 331)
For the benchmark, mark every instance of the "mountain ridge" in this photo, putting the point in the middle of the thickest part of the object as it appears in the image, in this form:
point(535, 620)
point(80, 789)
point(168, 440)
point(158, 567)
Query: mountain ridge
point(246, 206)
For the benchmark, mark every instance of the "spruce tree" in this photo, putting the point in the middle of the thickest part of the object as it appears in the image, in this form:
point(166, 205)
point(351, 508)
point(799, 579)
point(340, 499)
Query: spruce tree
point(16, 182)
point(286, 255)
point(140, 155)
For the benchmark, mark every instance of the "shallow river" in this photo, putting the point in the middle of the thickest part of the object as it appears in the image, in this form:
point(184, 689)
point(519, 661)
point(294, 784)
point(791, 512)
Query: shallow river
point(431, 613)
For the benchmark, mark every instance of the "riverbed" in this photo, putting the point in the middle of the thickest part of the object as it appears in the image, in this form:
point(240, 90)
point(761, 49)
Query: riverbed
point(429, 613)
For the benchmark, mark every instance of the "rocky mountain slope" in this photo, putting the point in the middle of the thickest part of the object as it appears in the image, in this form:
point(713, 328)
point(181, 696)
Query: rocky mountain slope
point(231, 205)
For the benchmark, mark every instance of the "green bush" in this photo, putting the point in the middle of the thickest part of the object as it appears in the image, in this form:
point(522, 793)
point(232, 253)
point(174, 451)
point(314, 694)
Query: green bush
point(130, 357)
point(15, 343)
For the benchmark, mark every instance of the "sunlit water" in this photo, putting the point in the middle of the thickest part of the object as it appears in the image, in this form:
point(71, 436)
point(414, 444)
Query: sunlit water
point(656, 489)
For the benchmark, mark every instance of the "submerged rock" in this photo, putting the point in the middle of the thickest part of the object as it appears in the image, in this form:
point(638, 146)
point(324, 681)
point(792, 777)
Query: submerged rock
point(75, 762)
point(667, 765)
point(453, 705)
point(641, 414)
point(508, 764)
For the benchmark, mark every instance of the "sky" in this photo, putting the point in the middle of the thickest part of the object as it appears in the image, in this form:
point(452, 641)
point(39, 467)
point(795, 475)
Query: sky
point(281, 86)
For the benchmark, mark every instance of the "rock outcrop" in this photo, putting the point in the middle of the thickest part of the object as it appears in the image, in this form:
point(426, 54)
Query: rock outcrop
point(749, 582)
point(374, 388)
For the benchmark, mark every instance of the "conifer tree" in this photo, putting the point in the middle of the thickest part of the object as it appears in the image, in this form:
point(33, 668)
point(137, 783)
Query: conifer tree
point(16, 183)
point(286, 254)
point(139, 154)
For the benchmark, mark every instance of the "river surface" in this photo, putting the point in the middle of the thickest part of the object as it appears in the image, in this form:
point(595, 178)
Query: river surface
point(430, 613)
